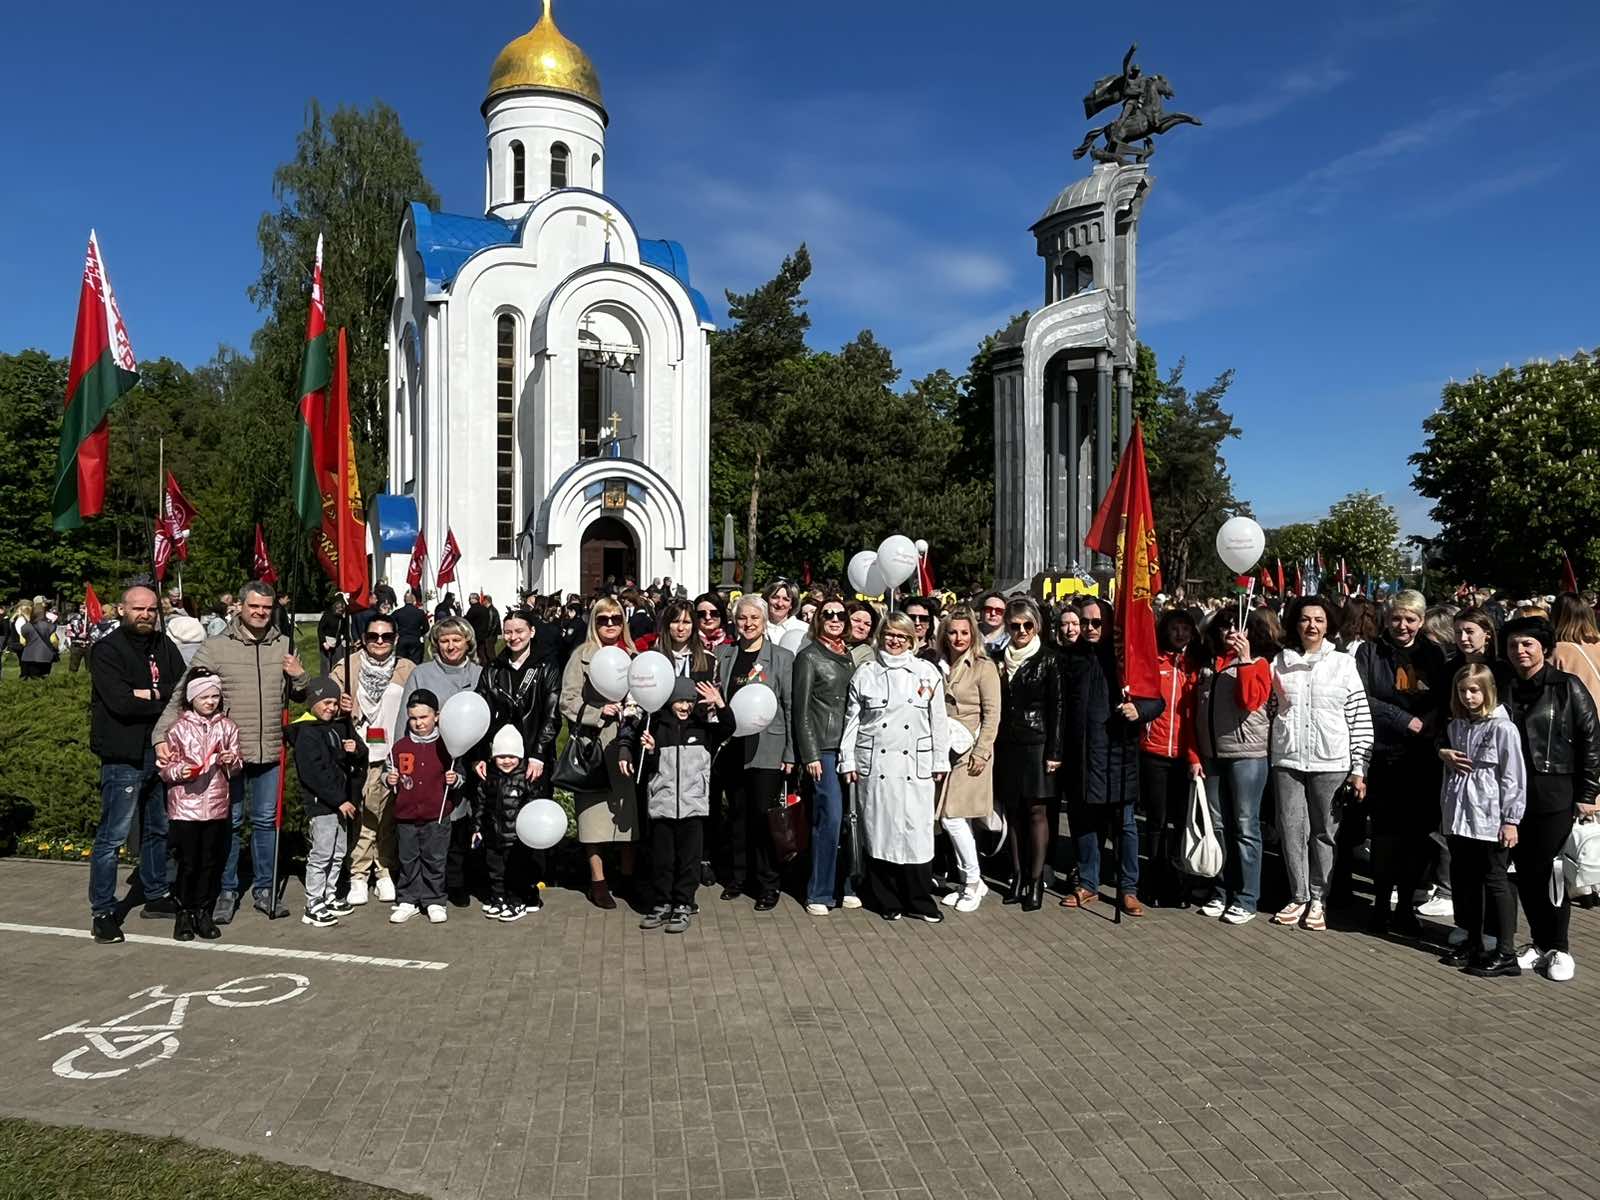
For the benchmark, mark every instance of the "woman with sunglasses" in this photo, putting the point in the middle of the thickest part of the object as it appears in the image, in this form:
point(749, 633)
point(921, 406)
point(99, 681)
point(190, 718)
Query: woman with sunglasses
point(992, 622)
point(862, 633)
point(921, 612)
point(895, 748)
point(751, 770)
point(1027, 747)
point(373, 706)
point(822, 673)
point(611, 815)
point(972, 697)
point(710, 621)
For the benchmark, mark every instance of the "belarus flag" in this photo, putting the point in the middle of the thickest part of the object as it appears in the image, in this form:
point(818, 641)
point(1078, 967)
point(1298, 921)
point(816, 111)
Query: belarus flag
point(102, 370)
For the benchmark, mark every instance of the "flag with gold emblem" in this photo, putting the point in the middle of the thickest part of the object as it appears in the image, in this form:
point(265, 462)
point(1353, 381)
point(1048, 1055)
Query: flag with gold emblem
point(1125, 529)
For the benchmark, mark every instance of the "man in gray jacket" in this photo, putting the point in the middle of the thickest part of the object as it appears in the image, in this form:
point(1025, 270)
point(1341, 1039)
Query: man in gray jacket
point(260, 674)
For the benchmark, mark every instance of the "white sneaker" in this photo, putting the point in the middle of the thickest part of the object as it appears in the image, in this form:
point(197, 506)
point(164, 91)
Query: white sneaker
point(968, 901)
point(1214, 907)
point(385, 889)
point(851, 901)
point(1531, 958)
point(403, 913)
point(949, 899)
point(817, 910)
point(1238, 916)
point(437, 914)
point(1560, 967)
point(1437, 906)
point(492, 909)
point(358, 892)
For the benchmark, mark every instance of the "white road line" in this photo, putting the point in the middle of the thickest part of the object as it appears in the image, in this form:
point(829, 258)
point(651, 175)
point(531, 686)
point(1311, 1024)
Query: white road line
point(328, 956)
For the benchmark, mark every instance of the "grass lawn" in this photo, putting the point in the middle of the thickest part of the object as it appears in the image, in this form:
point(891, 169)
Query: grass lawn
point(49, 1161)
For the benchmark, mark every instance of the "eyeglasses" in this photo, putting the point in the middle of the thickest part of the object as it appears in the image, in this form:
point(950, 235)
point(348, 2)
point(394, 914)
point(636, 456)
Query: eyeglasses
point(1093, 622)
point(380, 637)
point(707, 613)
point(994, 608)
point(833, 614)
point(894, 637)
point(608, 620)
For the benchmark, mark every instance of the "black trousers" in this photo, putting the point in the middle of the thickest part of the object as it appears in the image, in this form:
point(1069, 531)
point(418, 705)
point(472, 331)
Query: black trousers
point(513, 870)
point(422, 848)
point(1403, 803)
point(201, 849)
point(675, 847)
point(1164, 803)
point(1484, 901)
point(1539, 839)
point(901, 887)
point(460, 870)
point(751, 792)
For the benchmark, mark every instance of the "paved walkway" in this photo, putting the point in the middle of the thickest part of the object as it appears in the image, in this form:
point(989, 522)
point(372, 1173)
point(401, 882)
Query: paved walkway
point(998, 1056)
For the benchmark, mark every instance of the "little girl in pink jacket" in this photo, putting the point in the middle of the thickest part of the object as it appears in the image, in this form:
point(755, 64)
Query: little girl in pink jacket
point(204, 747)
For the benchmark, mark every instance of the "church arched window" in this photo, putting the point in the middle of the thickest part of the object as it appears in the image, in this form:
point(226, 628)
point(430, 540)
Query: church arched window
point(519, 173)
point(594, 173)
point(505, 414)
point(559, 155)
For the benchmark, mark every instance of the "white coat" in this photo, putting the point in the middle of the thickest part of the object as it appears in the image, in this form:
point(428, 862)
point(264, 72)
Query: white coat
point(1322, 721)
point(895, 736)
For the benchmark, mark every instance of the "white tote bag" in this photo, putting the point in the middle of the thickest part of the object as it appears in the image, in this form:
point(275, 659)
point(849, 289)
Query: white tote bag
point(1202, 851)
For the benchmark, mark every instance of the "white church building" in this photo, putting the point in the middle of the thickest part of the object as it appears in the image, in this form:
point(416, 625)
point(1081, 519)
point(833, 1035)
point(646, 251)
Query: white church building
point(548, 366)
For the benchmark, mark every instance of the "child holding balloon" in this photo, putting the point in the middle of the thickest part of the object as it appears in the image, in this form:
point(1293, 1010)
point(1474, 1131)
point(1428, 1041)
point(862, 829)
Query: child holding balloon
point(498, 800)
point(422, 774)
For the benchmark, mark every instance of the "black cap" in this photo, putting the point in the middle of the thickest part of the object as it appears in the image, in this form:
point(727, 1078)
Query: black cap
point(422, 696)
point(1534, 627)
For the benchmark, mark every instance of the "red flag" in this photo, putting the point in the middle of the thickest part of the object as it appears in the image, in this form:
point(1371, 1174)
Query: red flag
point(1344, 578)
point(805, 573)
point(452, 555)
point(419, 554)
point(1299, 581)
point(91, 605)
point(261, 564)
point(173, 529)
point(1569, 577)
point(925, 584)
point(1281, 592)
point(1243, 581)
point(342, 540)
point(1125, 528)
point(1266, 581)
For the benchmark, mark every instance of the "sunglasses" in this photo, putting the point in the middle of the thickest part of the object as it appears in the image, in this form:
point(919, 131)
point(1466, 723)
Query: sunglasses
point(707, 613)
point(608, 620)
point(380, 637)
point(895, 637)
point(1021, 626)
point(1093, 622)
point(833, 614)
point(994, 608)
point(920, 619)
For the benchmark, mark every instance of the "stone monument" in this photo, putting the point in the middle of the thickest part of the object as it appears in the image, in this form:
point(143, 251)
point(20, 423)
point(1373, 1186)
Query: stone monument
point(1063, 376)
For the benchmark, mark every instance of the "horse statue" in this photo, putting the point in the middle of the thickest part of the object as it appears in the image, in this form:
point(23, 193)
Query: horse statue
point(1142, 118)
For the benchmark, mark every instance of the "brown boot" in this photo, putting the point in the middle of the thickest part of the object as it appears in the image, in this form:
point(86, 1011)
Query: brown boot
point(1130, 905)
point(1080, 898)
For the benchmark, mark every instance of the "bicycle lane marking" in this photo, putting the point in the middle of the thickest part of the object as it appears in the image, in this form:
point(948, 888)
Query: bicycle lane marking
point(327, 956)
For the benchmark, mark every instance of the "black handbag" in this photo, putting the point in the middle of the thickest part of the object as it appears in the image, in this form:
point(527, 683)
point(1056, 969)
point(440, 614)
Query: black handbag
point(855, 844)
point(582, 765)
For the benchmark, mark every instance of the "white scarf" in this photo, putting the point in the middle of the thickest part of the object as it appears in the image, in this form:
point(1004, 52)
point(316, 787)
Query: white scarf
point(897, 662)
point(1016, 655)
point(376, 678)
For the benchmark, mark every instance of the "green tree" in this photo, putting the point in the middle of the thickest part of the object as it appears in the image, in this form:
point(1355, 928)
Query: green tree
point(1293, 543)
point(1362, 530)
point(1511, 462)
point(752, 377)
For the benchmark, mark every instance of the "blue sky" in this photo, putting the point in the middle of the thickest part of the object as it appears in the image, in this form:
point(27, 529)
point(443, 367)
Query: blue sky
point(1383, 196)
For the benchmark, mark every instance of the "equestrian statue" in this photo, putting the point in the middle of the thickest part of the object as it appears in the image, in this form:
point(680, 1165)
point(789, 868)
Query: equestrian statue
point(1141, 119)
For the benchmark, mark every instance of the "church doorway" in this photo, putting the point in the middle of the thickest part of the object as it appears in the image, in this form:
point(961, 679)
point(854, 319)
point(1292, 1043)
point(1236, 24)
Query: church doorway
point(607, 552)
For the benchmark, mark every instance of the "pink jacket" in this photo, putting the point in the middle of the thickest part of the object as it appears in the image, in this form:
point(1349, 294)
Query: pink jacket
point(198, 743)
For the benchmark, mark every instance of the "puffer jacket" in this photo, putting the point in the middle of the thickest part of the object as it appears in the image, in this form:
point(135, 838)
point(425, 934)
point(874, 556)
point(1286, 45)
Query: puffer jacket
point(254, 682)
point(1321, 723)
point(678, 770)
point(198, 743)
point(1495, 791)
point(1171, 735)
point(1230, 710)
point(1031, 709)
point(821, 689)
point(498, 799)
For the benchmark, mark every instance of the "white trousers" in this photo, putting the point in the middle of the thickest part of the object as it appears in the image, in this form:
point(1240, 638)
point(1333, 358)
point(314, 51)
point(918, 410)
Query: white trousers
point(961, 841)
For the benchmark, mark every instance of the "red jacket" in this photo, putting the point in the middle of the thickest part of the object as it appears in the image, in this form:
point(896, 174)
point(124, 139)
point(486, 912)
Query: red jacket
point(1171, 735)
point(420, 794)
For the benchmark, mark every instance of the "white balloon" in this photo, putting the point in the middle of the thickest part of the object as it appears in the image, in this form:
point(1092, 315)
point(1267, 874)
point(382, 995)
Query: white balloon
point(754, 705)
point(541, 824)
point(922, 545)
point(794, 639)
point(608, 671)
point(863, 572)
point(650, 679)
point(1240, 543)
point(463, 721)
point(897, 559)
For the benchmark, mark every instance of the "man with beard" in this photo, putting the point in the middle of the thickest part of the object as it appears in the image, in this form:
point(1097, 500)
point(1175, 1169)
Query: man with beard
point(134, 670)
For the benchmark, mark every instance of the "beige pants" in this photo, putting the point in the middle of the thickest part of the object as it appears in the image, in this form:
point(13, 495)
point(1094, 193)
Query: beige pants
point(375, 843)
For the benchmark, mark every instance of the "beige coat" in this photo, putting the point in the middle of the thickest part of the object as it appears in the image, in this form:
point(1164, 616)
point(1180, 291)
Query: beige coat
point(611, 815)
point(255, 687)
point(972, 696)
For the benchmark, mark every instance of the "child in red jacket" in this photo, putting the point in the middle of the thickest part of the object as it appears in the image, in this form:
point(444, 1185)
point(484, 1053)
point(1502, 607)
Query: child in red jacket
point(422, 775)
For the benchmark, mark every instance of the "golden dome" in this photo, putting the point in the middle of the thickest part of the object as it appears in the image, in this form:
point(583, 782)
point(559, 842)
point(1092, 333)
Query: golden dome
point(544, 60)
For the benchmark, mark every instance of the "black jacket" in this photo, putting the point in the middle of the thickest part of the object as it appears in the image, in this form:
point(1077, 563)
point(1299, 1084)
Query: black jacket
point(324, 768)
point(410, 627)
point(528, 697)
point(1393, 710)
point(1031, 711)
point(1560, 732)
point(497, 800)
point(1101, 752)
point(120, 664)
point(821, 691)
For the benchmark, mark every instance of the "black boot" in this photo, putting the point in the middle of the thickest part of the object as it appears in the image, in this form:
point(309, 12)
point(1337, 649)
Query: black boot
point(1015, 893)
point(183, 926)
point(204, 924)
point(1499, 964)
point(1032, 895)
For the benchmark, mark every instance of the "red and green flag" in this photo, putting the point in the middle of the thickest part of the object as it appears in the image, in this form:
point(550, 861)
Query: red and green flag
point(342, 540)
point(316, 373)
point(102, 370)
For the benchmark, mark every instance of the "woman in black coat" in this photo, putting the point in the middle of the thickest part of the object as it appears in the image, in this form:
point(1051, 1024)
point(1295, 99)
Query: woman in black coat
point(1102, 755)
point(1027, 748)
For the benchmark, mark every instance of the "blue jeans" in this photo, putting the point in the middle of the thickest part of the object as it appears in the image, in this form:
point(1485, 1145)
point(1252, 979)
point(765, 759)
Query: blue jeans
point(827, 815)
point(1234, 787)
point(260, 780)
point(125, 790)
point(1090, 824)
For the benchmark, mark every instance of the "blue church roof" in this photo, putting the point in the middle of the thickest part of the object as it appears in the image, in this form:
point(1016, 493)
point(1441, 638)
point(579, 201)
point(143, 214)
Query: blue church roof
point(446, 240)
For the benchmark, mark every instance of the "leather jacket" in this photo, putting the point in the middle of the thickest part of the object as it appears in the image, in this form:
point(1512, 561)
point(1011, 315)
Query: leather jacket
point(821, 691)
point(1560, 731)
point(1030, 703)
point(531, 703)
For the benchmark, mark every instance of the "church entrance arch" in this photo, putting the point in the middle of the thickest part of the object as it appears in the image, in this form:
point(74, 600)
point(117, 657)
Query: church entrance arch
point(607, 550)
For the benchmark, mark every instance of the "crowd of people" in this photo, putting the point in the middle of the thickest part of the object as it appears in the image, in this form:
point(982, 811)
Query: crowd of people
point(1443, 752)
